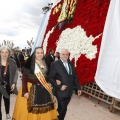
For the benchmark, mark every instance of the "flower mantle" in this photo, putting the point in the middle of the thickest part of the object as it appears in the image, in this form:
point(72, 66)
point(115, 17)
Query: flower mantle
point(82, 36)
point(77, 43)
point(67, 11)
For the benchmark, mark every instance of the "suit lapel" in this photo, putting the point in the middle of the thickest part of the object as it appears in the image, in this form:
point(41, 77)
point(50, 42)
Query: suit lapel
point(69, 65)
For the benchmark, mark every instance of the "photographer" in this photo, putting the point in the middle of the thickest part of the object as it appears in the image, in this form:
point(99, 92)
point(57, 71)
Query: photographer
point(8, 79)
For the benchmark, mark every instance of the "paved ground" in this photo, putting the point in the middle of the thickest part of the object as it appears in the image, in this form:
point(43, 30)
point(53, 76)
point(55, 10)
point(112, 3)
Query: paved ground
point(80, 108)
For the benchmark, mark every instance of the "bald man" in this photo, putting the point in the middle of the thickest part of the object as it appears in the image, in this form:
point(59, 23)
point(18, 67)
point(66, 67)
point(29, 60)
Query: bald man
point(63, 70)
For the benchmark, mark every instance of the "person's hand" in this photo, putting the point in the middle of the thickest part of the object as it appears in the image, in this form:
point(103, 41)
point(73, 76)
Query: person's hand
point(79, 92)
point(12, 87)
point(26, 95)
point(58, 82)
point(63, 87)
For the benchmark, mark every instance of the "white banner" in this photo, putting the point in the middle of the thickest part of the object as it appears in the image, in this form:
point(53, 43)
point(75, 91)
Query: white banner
point(108, 68)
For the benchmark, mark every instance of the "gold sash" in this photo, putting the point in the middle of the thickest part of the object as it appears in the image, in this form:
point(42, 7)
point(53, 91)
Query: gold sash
point(42, 80)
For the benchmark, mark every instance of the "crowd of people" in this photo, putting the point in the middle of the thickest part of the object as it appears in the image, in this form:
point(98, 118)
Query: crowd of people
point(47, 84)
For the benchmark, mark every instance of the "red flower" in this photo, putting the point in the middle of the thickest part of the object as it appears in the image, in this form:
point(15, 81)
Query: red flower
point(91, 16)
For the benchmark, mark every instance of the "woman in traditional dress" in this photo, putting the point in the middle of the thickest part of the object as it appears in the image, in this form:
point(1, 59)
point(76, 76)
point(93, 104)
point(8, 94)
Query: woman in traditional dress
point(38, 102)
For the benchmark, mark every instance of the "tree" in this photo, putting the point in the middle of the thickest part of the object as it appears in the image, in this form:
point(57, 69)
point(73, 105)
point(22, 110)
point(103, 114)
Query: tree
point(30, 43)
point(8, 43)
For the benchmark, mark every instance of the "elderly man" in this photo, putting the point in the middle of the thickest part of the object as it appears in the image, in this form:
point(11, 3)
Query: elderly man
point(63, 70)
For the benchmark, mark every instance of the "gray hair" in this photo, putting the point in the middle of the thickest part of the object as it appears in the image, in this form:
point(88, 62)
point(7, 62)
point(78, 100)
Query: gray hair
point(5, 47)
point(64, 49)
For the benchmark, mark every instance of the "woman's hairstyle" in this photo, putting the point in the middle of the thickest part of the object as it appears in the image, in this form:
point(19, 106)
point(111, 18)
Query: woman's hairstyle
point(29, 66)
point(5, 47)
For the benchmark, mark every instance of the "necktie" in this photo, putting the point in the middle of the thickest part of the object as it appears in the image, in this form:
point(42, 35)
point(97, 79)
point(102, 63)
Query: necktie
point(66, 67)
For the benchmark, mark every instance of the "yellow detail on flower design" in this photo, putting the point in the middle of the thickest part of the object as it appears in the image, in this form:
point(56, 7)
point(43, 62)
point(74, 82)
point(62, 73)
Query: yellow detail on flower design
point(57, 9)
point(68, 8)
point(63, 14)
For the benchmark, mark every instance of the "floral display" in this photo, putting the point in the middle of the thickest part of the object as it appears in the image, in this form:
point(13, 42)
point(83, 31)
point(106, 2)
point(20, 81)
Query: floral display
point(82, 36)
point(67, 11)
point(77, 43)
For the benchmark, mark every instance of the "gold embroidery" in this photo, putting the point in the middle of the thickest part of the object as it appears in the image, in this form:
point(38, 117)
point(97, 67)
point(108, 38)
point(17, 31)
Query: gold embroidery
point(42, 80)
point(35, 108)
point(52, 119)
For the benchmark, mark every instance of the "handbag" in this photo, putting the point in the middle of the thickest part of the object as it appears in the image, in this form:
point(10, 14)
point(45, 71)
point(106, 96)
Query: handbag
point(3, 89)
point(3, 83)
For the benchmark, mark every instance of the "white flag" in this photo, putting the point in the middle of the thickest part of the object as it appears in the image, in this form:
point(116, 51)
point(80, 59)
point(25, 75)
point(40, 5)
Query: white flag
point(108, 68)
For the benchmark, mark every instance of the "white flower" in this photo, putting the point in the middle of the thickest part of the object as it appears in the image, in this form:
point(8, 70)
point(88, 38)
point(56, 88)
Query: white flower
point(77, 42)
point(45, 43)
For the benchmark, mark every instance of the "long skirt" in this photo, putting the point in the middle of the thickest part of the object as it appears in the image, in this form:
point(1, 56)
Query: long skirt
point(21, 112)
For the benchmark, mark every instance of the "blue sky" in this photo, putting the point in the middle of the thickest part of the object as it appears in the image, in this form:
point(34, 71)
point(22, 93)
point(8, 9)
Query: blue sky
point(20, 20)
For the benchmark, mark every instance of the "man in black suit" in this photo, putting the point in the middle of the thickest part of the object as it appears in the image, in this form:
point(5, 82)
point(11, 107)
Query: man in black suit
point(63, 70)
point(49, 58)
point(22, 58)
point(14, 57)
point(57, 56)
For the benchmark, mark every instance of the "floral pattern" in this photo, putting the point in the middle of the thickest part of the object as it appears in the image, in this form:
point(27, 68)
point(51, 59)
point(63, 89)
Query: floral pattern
point(77, 43)
point(84, 33)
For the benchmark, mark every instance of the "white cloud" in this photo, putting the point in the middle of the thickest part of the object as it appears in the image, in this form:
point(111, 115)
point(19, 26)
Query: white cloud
point(20, 20)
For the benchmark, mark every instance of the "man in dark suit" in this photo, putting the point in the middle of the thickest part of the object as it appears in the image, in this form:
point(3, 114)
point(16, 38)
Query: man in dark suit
point(22, 58)
point(49, 58)
point(57, 56)
point(14, 57)
point(63, 70)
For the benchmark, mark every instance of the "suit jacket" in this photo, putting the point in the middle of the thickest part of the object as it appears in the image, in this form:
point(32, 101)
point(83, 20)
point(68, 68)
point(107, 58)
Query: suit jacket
point(49, 59)
point(16, 59)
point(21, 59)
point(13, 73)
point(58, 71)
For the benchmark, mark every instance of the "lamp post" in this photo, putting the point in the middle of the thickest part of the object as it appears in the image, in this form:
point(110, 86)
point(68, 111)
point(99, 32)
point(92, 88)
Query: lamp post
point(47, 8)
